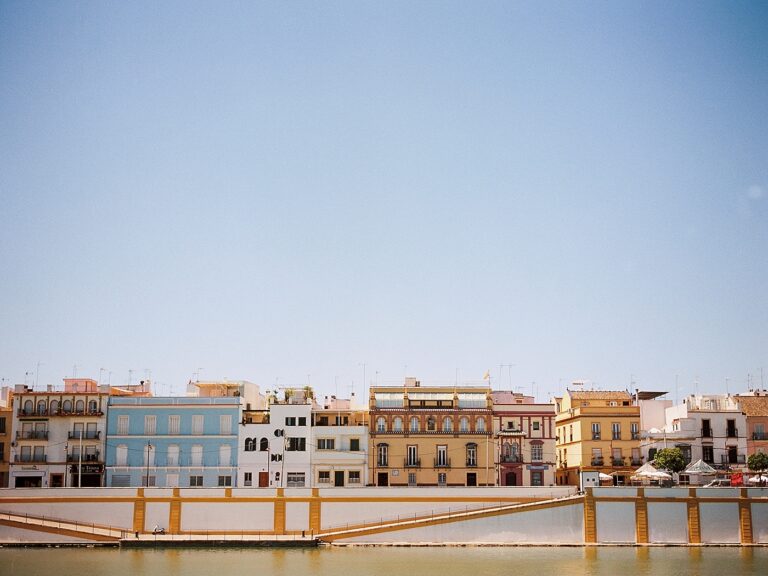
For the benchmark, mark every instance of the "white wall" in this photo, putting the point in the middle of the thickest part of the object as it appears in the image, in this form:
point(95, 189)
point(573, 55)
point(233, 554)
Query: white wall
point(668, 522)
point(615, 521)
point(719, 522)
point(227, 516)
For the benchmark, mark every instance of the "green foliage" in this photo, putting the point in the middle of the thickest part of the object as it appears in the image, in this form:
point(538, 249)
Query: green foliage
point(670, 459)
point(758, 462)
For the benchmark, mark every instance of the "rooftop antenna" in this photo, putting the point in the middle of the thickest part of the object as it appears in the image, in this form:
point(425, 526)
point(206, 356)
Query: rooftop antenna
point(130, 376)
point(727, 393)
point(676, 377)
point(74, 371)
point(37, 373)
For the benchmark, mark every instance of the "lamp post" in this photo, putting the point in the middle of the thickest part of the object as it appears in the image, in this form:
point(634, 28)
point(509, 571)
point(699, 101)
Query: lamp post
point(149, 448)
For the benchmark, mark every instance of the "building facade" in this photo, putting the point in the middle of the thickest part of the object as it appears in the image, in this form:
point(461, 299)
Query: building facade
point(431, 436)
point(58, 436)
point(754, 405)
point(172, 441)
point(339, 445)
point(524, 434)
point(711, 428)
point(597, 431)
point(6, 424)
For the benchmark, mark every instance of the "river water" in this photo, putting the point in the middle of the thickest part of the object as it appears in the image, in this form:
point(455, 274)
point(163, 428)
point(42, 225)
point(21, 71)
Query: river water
point(509, 561)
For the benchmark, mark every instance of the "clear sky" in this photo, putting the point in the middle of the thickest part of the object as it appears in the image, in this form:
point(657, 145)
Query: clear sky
point(283, 192)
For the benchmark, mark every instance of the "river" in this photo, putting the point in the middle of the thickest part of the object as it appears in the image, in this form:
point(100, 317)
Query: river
point(474, 561)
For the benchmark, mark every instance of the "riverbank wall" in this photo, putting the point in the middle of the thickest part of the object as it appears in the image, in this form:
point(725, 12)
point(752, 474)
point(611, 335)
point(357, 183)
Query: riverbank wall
point(503, 515)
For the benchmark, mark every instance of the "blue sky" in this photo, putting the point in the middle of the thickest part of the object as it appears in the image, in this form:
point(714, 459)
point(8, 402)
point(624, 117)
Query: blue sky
point(283, 192)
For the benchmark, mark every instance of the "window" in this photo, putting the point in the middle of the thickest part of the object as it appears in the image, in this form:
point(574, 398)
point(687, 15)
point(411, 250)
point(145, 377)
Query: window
point(381, 424)
point(413, 456)
point(225, 480)
point(634, 429)
point(150, 425)
point(597, 456)
point(248, 479)
point(41, 407)
point(570, 433)
point(264, 445)
point(197, 423)
point(122, 425)
point(225, 455)
point(448, 425)
point(510, 425)
point(149, 454)
point(537, 478)
point(290, 420)
point(537, 452)
point(414, 424)
point(296, 444)
point(148, 480)
point(442, 456)
point(295, 479)
point(480, 424)
point(196, 455)
point(397, 424)
point(441, 479)
point(616, 430)
point(225, 424)
point(302, 420)
point(326, 443)
point(54, 407)
point(382, 455)
point(536, 425)
point(636, 458)
point(173, 455)
point(354, 444)
point(616, 456)
point(121, 481)
point(80, 406)
point(173, 424)
point(471, 454)
point(121, 455)
point(431, 424)
point(248, 445)
point(93, 407)
point(411, 478)
point(464, 424)
point(595, 430)
point(354, 476)
point(67, 407)
point(324, 476)
point(195, 481)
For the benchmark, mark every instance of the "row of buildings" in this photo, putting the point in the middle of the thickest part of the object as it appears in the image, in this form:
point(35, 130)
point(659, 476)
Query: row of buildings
point(224, 434)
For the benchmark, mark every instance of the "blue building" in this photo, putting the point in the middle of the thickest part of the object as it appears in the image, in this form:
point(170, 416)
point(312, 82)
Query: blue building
point(172, 442)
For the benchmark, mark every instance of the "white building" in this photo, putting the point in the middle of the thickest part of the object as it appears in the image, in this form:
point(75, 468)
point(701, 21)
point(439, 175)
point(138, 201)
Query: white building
point(711, 428)
point(339, 444)
point(274, 444)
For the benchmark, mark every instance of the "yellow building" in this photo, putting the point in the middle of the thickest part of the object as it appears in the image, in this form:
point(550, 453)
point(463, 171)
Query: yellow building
point(431, 436)
point(6, 421)
point(597, 431)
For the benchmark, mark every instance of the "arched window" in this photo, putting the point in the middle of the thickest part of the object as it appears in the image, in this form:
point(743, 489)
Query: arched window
point(397, 424)
point(79, 406)
point(464, 424)
point(448, 424)
point(264, 445)
point(431, 424)
point(381, 424)
point(480, 424)
point(514, 452)
point(248, 445)
point(471, 454)
point(54, 406)
point(67, 406)
point(41, 406)
point(28, 407)
point(382, 455)
point(414, 424)
point(93, 406)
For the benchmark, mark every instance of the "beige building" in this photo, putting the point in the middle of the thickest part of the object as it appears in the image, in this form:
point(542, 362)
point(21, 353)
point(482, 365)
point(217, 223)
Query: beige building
point(431, 436)
point(597, 431)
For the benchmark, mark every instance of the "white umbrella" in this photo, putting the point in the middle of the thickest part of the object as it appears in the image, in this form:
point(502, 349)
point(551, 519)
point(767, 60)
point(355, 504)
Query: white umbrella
point(700, 467)
point(758, 479)
point(646, 471)
point(605, 477)
point(661, 475)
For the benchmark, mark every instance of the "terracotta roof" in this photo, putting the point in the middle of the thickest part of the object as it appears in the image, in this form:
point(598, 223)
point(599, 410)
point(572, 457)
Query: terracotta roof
point(754, 405)
point(599, 395)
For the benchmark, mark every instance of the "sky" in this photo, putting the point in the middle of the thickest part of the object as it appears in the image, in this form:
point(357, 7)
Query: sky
point(346, 193)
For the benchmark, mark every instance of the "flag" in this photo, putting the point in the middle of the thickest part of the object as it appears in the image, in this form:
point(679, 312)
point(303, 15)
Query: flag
point(487, 375)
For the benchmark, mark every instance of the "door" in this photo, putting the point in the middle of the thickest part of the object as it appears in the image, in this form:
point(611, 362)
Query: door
point(172, 480)
point(57, 480)
point(263, 479)
point(338, 478)
point(471, 479)
point(510, 479)
point(383, 479)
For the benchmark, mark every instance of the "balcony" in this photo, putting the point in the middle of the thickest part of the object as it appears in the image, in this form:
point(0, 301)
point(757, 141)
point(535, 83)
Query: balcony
point(759, 435)
point(471, 463)
point(595, 435)
point(617, 461)
point(32, 413)
point(32, 435)
point(382, 463)
point(706, 432)
point(442, 463)
point(31, 458)
point(87, 435)
point(732, 432)
point(637, 461)
point(85, 457)
point(511, 458)
point(726, 461)
point(412, 463)
point(597, 462)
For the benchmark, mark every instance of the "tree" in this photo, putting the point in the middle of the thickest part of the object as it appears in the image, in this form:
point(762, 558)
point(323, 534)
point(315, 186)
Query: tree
point(758, 462)
point(670, 459)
